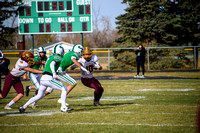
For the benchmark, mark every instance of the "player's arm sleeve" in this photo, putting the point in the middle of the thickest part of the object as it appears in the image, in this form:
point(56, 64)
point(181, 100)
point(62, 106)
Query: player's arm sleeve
point(73, 57)
point(52, 66)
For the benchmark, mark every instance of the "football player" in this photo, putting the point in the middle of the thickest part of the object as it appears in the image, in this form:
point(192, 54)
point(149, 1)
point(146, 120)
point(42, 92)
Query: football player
point(90, 62)
point(70, 58)
point(13, 78)
point(35, 77)
point(48, 80)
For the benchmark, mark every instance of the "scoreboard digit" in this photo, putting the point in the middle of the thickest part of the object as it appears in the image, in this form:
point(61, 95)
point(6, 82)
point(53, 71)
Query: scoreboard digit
point(55, 16)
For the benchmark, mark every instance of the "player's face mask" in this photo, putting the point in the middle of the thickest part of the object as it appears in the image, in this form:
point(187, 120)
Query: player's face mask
point(42, 55)
point(31, 63)
point(87, 57)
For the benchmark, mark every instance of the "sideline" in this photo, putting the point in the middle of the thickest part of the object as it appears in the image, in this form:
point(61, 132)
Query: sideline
point(119, 124)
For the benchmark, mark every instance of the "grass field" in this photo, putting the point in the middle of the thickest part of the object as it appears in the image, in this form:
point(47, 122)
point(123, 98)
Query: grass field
point(133, 105)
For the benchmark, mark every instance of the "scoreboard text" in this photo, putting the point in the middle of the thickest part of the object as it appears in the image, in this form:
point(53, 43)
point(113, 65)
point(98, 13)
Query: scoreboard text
point(55, 16)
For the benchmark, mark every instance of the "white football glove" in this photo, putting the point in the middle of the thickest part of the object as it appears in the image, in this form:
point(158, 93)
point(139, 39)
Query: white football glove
point(55, 75)
point(85, 70)
point(96, 65)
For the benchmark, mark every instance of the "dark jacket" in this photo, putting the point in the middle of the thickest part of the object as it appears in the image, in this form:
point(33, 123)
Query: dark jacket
point(140, 55)
point(4, 66)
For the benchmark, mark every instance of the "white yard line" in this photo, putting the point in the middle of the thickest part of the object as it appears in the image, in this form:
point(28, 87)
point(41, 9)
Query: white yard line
point(179, 90)
point(113, 98)
point(31, 113)
point(118, 124)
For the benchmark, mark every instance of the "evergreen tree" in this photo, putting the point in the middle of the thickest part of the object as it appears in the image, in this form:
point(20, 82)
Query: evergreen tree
point(7, 9)
point(160, 21)
point(157, 23)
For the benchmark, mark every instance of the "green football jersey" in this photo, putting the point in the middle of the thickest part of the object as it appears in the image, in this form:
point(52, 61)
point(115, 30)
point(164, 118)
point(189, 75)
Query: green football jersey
point(57, 58)
point(37, 59)
point(67, 61)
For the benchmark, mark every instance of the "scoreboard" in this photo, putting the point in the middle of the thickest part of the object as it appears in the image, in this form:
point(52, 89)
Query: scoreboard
point(55, 16)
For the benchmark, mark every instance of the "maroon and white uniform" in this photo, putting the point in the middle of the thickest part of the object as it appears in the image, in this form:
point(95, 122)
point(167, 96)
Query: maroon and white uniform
point(88, 79)
point(13, 78)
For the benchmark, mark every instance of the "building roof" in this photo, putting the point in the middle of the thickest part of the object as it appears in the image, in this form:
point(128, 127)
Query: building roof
point(52, 44)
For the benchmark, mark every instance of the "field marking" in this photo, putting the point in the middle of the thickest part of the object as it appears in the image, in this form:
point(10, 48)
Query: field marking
point(114, 98)
point(31, 113)
point(181, 90)
point(118, 124)
point(195, 106)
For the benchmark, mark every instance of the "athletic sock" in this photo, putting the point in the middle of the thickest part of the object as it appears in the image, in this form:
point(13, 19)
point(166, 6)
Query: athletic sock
point(11, 103)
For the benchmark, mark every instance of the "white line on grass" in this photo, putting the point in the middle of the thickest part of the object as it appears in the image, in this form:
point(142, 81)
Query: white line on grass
point(52, 112)
point(114, 98)
point(181, 90)
point(166, 105)
point(118, 124)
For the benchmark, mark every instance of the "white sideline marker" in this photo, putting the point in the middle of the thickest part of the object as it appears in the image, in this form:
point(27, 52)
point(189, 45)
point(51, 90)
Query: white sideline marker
point(114, 98)
point(183, 90)
point(119, 124)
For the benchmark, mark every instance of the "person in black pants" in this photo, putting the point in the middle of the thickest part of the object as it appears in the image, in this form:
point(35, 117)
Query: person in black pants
point(140, 59)
point(4, 63)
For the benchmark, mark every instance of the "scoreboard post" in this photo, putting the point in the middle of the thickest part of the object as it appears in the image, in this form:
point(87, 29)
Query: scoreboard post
point(55, 16)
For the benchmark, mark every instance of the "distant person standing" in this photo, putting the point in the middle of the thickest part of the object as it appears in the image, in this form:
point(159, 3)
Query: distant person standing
point(140, 59)
point(4, 63)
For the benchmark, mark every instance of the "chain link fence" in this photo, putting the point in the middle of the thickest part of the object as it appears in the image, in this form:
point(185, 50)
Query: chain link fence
point(157, 58)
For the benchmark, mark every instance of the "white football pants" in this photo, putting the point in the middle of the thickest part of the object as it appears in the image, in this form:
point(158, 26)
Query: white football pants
point(35, 79)
point(64, 78)
point(50, 84)
point(67, 79)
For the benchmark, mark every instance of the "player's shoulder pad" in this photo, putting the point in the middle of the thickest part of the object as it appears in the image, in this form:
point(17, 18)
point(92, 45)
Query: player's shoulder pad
point(77, 56)
point(22, 64)
point(58, 58)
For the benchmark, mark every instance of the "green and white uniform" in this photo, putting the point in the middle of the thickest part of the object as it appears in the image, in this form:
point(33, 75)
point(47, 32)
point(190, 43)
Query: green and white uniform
point(47, 80)
point(65, 63)
point(35, 77)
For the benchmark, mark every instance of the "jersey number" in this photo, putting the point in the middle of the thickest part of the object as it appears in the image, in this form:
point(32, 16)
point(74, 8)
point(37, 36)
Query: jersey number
point(89, 68)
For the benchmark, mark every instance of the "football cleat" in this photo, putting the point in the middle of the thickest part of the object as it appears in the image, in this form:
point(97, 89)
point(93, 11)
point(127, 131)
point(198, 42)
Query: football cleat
point(27, 90)
point(21, 110)
point(33, 105)
point(137, 76)
point(59, 101)
point(96, 103)
point(7, 107)
point(142, 76)
point(66, 109)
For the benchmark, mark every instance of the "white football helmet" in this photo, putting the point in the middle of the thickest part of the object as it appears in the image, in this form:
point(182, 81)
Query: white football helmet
point(78, 49)
point(58, 49)
point(41, 49)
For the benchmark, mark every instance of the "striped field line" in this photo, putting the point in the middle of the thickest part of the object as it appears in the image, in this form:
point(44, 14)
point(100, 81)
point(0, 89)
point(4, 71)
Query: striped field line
point(52, 112)
point(103, 124)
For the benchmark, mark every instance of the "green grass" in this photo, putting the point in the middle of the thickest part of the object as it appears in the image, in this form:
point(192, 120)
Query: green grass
point(160, 106)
